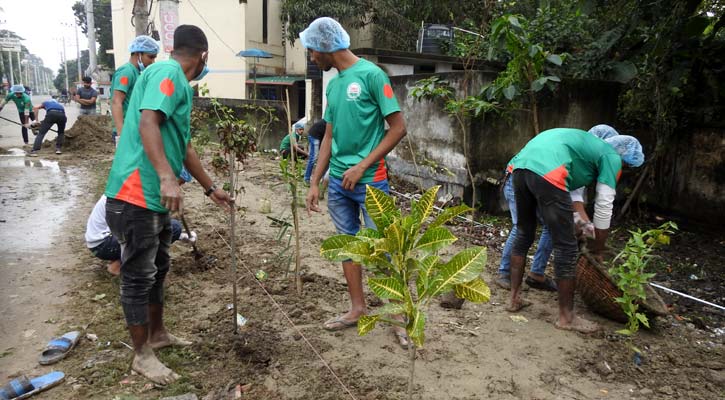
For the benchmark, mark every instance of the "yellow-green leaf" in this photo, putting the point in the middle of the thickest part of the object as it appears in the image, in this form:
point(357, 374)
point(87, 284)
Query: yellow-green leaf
point(390, 309)
point(366, 323)
point(387, 288)
point(448, 214)
point(332, 246)
point(369, 233)
point(416, 328)
point(396, 237)
point(435, 239)
point(380, 207)
point(423, 207)
point(463, 267)
point(475, 291)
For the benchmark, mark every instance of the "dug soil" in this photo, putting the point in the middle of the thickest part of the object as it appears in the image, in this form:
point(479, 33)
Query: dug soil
point(478, 352)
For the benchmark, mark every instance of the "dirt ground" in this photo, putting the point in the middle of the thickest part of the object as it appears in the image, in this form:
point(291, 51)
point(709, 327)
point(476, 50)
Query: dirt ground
point(478, 352)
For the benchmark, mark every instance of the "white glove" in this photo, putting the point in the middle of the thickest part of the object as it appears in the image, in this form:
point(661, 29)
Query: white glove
point(184, 237)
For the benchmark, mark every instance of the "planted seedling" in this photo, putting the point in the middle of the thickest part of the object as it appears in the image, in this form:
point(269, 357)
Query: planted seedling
point(402, 253)
point(628, 272)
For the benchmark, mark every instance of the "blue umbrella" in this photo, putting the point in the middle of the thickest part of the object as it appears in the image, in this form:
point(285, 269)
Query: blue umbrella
point(257, 54)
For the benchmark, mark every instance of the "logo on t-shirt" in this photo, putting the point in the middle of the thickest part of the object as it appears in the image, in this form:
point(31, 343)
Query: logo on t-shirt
point(353, 91)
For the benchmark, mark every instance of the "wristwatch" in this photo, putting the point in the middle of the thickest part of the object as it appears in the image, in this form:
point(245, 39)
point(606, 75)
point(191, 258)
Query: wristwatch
point(209, 191)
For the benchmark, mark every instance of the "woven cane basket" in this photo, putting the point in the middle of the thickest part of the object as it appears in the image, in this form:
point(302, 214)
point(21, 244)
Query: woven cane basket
point(598, 291)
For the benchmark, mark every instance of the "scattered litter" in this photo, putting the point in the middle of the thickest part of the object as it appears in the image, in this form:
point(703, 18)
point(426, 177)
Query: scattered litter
point(92, 337)
point(29, 333)
point(99, 297)
point(719, 331)
point(50, 321)
point(238, 392)
point(260, 275)
point(604, 391)
point(519, 318)
point(127, 381)
point(241, 321)
point(123, 343)
point(693, 277)
point(230, 306)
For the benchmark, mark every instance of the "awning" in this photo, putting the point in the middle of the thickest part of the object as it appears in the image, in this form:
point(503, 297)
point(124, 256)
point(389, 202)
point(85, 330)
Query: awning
point(286, 80)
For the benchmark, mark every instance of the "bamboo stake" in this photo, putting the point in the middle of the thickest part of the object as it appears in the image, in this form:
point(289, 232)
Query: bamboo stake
point(233, 241)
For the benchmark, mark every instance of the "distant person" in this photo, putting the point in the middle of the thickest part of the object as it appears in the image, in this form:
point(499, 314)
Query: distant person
point(24, 105)
point(142, 190)
point(314, 136)
point(54, 115)
point(285, 147)
point(86, 97)
point(144, 50)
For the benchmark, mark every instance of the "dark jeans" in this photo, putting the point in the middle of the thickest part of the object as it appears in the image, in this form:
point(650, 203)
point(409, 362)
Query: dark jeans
point(145, 237)
point(24, 129)
point(56, 118)
point(533, 192)
point(110, 249)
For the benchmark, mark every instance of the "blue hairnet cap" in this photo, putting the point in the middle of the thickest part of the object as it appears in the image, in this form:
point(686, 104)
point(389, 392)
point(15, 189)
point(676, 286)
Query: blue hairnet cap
point(185, 175)
point(17, 89)
point(143, 44)
point(628, 148)
point(299, 125)
point(325, 35)
point(603, 131)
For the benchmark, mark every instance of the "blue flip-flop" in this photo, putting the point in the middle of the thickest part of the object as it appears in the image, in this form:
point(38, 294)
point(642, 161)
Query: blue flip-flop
point(58, 348)
point(22, 387)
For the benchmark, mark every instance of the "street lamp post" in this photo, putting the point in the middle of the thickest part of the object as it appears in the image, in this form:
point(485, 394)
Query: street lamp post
point(78, 47)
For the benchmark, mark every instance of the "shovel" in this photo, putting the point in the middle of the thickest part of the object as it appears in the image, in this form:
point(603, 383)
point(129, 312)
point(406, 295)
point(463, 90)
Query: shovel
point(35, 130)
point(199, 257)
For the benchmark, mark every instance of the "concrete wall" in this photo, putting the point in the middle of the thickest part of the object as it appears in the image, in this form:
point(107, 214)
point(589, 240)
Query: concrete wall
point(691, 174)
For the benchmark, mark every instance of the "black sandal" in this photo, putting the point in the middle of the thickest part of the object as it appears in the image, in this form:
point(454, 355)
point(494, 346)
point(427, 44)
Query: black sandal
point(547, 285)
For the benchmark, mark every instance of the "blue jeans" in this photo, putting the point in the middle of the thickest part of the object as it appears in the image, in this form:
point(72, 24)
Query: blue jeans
point(543, 250)
point(314, 150)
point(345, 206)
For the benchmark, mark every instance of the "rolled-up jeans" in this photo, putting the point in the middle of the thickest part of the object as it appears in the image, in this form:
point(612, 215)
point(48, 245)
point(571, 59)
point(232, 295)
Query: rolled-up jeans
point(543, 250)
point(145, 237)
point(533, 193)
point(312, 159)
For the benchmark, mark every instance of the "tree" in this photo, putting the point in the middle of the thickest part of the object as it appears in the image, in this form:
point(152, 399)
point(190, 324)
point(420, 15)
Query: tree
point(104, 30)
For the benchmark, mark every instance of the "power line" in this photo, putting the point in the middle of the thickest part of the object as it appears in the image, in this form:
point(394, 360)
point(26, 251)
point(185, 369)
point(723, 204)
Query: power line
point(209, 25)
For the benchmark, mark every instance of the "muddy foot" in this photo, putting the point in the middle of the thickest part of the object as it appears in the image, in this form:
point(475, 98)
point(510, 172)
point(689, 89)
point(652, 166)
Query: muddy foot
point(579, 324)
point(149, 366)
point(518, 305)
point(168, 340)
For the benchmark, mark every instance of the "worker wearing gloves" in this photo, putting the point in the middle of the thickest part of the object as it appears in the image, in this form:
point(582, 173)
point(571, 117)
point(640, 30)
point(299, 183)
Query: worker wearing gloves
point(24, 105)
point(544, 172)
point(143, 51)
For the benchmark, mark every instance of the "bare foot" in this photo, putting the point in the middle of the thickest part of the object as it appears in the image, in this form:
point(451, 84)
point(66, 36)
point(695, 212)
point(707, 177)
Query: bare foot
point(114, 268)
point(517, 305)
point(146, 364)
point(578, 324)
point(166, 339)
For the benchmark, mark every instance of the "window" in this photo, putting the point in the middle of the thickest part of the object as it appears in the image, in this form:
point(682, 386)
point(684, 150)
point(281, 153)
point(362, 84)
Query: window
point(264, 21)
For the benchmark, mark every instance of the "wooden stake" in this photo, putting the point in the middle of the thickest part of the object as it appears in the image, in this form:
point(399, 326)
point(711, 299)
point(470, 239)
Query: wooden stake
point(232, 239)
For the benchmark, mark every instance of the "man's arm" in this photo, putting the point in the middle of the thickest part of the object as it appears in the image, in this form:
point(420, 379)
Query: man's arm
point(300, 150)
point(92, 101)
point(117, 110)
point(35, 111)
point(391, 139)
point(153, 144)
point(193, 165)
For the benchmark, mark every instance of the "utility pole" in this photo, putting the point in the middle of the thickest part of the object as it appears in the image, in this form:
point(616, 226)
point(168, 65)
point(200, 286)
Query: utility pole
point(91, 38)
point(140, 17)
point(65, 65)
point(20, 68)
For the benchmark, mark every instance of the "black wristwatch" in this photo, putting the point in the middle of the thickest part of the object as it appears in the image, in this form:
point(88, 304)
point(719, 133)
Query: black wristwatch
point(209, 191)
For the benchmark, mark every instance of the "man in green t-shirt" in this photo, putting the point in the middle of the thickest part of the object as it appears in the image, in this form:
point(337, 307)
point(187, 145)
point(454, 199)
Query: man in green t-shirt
point(545, 171)
point(143, 51)
point(360, 100)
point(25, 107)
point(285, 146)
point(142, 189)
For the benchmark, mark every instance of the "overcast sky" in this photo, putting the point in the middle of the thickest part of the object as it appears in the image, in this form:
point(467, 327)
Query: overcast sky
point(39, 23)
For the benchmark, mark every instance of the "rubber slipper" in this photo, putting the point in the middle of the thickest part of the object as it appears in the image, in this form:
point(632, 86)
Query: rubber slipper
point(338, 324)
point(58, 348)
point(548, 284)
point(403, 339)
point(22, 387)
point(522, 304)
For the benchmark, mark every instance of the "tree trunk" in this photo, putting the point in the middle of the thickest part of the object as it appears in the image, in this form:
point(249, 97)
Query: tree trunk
point(535, 113)
point(411, 355)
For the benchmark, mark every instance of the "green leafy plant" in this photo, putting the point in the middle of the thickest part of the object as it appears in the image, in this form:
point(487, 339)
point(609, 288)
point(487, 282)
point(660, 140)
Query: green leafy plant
point(292, 175)
point(628, 271)
point(402, 253)
point(526, 71)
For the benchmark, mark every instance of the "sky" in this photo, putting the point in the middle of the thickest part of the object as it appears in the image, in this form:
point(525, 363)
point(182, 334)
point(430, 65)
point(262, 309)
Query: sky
point(39, 23)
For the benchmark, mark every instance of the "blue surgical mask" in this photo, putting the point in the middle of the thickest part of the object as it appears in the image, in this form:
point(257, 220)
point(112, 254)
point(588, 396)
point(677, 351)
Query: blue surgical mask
point(140, 64)
point(202, 74)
